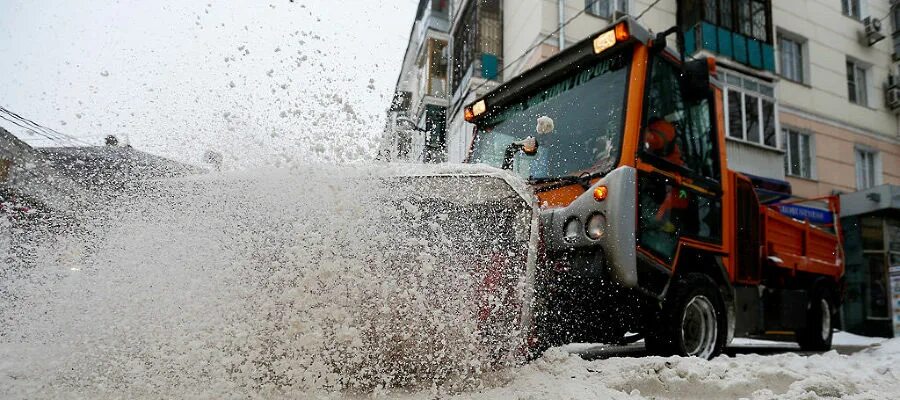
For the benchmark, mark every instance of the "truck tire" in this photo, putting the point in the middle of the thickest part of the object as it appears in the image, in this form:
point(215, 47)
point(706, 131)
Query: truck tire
point(819, 321)
point(692, 321)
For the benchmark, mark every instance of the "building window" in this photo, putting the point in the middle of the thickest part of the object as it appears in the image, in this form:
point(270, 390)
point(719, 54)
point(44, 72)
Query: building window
point(798, 153)
point(851, 8)
point(606, 8)
point(440, 7)
point(868, 172)
point(435, 82)
point(856, 83)
point(478, 42)
point(895, 20)
point(751, 18)
point(750, 110)
point(436, 138)
point(792, 58)
point(690, 119)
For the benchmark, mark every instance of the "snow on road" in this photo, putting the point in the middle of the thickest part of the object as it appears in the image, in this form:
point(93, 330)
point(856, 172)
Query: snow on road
point(873, 373)
point(318, 282)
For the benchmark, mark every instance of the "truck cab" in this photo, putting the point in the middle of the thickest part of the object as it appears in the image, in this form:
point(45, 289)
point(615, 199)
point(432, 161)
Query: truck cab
point(643, 227)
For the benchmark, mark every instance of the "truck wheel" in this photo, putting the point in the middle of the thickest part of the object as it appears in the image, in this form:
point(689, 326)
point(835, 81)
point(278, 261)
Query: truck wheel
point(819, 319)
point(692, 320)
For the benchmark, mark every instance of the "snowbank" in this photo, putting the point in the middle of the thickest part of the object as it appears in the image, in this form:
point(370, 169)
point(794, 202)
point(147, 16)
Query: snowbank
point(870, 374)
point(842, 338)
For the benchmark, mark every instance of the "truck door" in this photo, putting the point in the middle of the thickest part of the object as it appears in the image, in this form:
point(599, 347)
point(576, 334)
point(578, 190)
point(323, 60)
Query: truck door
point(679, 190)
point(748, 252)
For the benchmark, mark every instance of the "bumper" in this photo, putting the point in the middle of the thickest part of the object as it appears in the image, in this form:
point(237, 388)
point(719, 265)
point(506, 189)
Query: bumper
point(617, 244)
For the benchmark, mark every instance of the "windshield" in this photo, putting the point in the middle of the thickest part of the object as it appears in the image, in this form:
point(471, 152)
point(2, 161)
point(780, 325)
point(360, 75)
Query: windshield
point(587, 111)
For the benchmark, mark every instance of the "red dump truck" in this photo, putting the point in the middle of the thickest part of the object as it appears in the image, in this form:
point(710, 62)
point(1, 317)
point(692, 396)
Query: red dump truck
point(644, 230)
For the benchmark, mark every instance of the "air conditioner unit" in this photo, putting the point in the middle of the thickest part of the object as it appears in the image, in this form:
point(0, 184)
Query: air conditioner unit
point(873, 30)
point(893, 81)
point(892, 97)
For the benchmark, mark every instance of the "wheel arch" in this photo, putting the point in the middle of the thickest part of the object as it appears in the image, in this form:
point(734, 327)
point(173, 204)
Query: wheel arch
point(698, 261)
point(831, 286)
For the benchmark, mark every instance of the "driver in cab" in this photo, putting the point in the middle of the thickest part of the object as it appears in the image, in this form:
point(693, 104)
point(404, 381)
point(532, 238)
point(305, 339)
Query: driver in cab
point(660, 140)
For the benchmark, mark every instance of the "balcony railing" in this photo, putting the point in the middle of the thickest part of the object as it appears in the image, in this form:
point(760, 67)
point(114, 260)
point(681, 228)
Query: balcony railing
point(740, 48)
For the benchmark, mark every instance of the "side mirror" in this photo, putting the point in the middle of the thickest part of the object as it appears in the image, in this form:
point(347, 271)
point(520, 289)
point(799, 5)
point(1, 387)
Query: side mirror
point(695, 81)
point(658, 44)
point(529, 145)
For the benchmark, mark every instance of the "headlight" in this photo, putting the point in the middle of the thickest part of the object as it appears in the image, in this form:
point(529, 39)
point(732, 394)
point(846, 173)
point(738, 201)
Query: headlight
point(595, 226)
point(571, 230)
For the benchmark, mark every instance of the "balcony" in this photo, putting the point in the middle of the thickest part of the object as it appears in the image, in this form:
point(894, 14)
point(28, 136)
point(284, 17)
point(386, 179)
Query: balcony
point(478, 45)
point(740, 48)
point(433, 24)
point(739, 30)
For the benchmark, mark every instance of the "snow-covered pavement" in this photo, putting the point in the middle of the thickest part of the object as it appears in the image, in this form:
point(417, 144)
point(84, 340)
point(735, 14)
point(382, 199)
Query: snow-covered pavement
point(873, 373)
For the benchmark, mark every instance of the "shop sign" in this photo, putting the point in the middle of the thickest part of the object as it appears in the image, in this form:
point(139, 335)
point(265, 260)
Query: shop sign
point(803, 213)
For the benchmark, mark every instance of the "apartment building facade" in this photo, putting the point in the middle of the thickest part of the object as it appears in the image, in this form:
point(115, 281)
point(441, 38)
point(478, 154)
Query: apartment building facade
point(416, 120)
point(806, 90)
point(811, 96)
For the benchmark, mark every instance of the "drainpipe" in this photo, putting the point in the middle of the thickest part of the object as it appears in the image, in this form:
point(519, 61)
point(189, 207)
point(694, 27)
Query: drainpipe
point(562, 24)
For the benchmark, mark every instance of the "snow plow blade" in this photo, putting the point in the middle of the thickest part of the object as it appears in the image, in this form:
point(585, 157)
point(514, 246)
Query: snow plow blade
point(484, 222)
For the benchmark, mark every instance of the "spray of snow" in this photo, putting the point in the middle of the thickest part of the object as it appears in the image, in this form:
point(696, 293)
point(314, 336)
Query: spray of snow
point(544, 125)
point(272, 283)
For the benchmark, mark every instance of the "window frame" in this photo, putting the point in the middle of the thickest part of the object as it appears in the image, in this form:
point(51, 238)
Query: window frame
point(859, 93)
point(711, 183)
point(434, 6)
point(786, 133)
point(801, 56)
point(867, 159)
point(895, 17)
point(895, 32)
point(735, 17)
point(592, 7)
point(468, 43)
point(728, 79)
point(431, 70)
point(852, 8)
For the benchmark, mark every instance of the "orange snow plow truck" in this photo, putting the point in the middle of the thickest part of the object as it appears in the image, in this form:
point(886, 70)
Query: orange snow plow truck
point(645, 232)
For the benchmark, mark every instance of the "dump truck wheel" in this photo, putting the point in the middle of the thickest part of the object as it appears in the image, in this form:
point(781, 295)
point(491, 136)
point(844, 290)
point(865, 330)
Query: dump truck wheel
point(692, 320)
point(820, 316)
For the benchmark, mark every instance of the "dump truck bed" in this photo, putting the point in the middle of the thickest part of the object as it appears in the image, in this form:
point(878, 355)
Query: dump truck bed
point(800, 245)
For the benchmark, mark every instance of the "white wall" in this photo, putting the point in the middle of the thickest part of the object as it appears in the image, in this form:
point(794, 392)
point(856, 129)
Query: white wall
point(754, 160)
point(522, 25)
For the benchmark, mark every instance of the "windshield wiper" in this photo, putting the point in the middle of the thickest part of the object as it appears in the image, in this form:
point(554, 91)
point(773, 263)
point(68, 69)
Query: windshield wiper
point(584, 179)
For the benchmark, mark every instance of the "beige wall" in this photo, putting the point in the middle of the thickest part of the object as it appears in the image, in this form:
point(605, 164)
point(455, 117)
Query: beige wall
point(831, 38)
point(835, 165)
point(821, 107)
